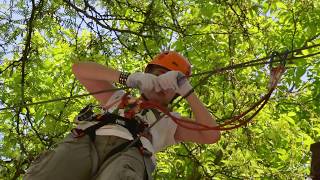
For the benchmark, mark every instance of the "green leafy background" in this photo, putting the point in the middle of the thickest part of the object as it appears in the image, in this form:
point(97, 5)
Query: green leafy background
point(40, 40)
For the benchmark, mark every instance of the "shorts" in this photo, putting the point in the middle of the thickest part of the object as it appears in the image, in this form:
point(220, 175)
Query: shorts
point(73, 159)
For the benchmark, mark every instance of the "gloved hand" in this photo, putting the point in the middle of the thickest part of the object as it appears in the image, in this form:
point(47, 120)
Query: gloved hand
point(143, 81)
point(174, 80)
point(168, 80)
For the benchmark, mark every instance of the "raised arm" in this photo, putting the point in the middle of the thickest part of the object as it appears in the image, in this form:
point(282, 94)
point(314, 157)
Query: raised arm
point(96, 77)
point(202, 116)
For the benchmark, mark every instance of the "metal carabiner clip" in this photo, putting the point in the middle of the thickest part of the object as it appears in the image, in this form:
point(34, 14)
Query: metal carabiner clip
point(85, 114)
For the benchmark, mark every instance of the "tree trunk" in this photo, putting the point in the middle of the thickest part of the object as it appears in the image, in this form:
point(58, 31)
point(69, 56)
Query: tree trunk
point(315, 161)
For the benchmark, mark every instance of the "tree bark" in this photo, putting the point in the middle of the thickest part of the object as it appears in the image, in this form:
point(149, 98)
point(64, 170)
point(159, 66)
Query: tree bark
point(315, 161)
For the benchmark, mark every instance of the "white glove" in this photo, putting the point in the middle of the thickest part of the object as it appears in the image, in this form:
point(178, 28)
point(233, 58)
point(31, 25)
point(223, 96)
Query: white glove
point(168, 80)
point(174, 80)
point(143, 81)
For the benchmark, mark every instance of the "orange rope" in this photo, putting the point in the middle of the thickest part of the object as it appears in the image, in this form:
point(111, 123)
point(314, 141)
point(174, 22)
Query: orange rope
point(229, 124)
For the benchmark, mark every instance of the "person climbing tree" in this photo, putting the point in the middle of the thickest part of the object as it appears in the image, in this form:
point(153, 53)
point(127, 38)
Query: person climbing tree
point(120, 142)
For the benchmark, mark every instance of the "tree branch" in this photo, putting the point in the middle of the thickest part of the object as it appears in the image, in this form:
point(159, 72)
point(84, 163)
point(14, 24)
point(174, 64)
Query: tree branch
point(106, 26)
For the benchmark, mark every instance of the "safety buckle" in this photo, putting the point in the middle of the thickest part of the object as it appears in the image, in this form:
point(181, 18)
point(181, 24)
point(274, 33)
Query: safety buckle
point(76, 133)
point(85, 114)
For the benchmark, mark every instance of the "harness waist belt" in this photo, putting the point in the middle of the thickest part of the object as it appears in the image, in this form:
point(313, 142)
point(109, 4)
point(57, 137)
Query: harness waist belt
point(134, 127)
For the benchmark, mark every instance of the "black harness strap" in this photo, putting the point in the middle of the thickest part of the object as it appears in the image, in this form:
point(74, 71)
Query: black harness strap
point(120, 148)
point(135, 126)
point(132, 125)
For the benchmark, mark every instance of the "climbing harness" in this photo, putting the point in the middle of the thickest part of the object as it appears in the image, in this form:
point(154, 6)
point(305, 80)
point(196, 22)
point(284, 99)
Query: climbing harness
point(132, 123)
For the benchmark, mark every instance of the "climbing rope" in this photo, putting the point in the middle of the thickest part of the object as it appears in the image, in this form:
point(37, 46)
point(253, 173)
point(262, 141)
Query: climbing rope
point(62, 98)
point(256, 62)
point(232, 123)
point(236, 121)
point(137, 105)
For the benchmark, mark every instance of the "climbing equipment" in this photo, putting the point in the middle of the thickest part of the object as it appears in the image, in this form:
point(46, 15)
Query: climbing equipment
point(131, 107)
point(238, 120)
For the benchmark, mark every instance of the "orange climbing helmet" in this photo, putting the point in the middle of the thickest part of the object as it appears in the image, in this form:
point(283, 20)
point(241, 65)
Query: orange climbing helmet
point(173, 61)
